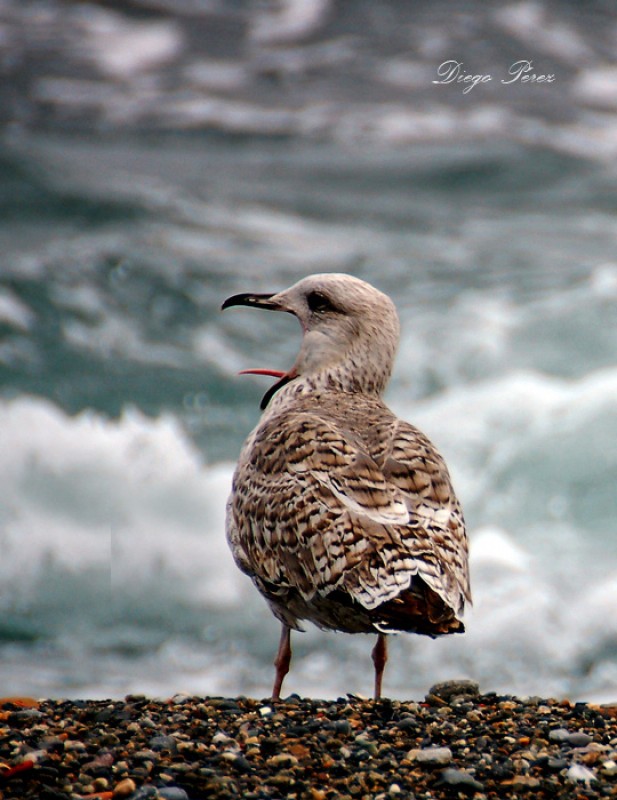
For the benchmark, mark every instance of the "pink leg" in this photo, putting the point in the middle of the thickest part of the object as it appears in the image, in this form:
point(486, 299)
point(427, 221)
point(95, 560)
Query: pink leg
point(379, 656)
point(282, 661)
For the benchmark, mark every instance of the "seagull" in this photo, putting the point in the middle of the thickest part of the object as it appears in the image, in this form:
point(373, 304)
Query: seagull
point(342, 514)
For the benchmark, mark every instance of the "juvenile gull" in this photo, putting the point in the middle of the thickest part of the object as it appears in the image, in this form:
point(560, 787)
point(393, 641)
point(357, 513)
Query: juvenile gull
point(341, 513)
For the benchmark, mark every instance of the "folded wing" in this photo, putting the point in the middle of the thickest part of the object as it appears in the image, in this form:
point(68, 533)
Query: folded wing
point(324, 506)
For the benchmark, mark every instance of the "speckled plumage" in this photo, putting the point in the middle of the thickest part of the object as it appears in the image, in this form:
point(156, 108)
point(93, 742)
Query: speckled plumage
point(341, 513)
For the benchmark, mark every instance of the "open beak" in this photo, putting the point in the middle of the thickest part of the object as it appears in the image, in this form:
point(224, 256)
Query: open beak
point(261, 301)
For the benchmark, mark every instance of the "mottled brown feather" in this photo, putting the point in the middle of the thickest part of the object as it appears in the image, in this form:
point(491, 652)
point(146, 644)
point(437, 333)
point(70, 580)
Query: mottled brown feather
point(336, 496)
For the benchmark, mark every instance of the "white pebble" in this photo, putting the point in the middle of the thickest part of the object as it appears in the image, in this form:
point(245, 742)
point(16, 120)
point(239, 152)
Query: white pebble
point(580, 774)
point(431, 755)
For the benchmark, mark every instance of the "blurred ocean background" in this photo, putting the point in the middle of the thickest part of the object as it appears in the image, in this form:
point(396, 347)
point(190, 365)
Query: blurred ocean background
point(157, 156)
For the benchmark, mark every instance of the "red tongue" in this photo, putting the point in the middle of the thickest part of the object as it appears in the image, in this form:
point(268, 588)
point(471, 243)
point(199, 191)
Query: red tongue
point(273, 373)
point(283, 378)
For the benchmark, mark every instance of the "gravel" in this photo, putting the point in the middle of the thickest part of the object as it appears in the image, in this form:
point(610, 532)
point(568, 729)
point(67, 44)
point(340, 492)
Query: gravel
point(456, 743)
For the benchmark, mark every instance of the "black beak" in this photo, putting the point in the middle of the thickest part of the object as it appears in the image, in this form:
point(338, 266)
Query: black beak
point(250, 299)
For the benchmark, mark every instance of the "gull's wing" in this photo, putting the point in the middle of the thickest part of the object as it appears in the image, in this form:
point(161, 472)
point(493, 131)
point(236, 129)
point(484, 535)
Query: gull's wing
point(322, 502)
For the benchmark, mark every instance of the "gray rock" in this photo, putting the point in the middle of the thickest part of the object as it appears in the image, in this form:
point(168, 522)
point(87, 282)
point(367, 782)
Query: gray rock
point(456, 777)
point(446, 690)
point(559, 735)
point(25, 715)
point(173, 793)
point(575, 738)
point(145, 793)
point(163, 743)
point(579, 739)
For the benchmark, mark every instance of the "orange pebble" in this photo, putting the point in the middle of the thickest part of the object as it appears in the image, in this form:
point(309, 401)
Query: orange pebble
point(22, 702)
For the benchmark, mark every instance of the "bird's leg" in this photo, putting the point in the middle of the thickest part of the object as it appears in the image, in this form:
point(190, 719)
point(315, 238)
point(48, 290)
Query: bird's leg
point(282, 661)
point(379, 656)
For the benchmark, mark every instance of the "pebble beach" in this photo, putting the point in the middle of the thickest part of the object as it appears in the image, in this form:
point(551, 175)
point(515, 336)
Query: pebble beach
point(456, 742)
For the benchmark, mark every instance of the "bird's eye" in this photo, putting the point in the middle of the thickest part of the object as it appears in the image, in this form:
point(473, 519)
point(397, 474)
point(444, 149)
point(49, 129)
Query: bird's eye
point(319, 302)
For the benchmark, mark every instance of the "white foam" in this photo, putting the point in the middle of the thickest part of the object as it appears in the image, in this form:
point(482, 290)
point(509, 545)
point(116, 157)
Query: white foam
point(595, 615)
point(121, 48)
point(295, 20)
point(597, 86)
point(603, 280)
point(129, 499)
point(14, 312)
point(530, 22)
point(115, 334)
point(216, 75)
point(492, 548)
point(521, 425)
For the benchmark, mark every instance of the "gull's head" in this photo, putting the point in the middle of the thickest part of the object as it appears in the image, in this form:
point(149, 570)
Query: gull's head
point(351, 330)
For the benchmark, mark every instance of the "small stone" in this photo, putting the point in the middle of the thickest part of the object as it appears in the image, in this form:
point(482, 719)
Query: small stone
point(125, 788)
point(559, 735)
point(341, 726)
point(282, 760)
point(158, 743)
point(609, 768)
point(173, 793)
point(223, 703)
point(25, 715)
point(222, 738)
point(146, 755)
point(362, 740)
point(595, 747)
point(107, 759)
point(75, 746)
point(407, 723)
point(181, 698)
point(575, 738)
point(456, 777)
point(524, 782)
point(580, 774)
point(134, 727)
point(579, 739)
point(146, 793)
point(241, 763)
point(136, 699)
point(299, 750)
point(52, 744)
point(431, 755)
point(19, 702)
point(446, 690)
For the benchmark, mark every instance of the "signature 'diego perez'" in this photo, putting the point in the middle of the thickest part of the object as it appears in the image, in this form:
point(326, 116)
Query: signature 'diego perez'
point(519, 72)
